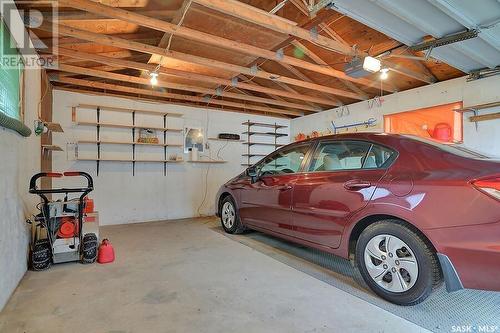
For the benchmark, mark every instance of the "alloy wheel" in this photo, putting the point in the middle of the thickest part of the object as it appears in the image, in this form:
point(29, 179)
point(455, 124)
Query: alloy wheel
point(228, 215)
point(391, 263)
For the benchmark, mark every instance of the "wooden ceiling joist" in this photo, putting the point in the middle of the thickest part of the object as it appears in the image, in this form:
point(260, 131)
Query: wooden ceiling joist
point(76, 56)
point(150, 49)
point(152, 99)
point(86, 16)
point(270, 21)
point(206, 38)
point(155, 93)
point(321, 62)
point(254, 15)
point(163, 84)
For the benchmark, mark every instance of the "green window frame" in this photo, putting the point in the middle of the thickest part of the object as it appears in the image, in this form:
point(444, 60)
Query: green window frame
point(10, 78)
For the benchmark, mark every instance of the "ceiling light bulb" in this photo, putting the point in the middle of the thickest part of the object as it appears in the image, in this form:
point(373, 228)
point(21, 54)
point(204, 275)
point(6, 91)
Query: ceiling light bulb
point(384, 73)
point(154, 78)
point(371, 64)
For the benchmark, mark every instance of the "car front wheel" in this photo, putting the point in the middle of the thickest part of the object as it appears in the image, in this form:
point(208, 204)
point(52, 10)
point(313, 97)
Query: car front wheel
point(397, 263)
point(230, 218)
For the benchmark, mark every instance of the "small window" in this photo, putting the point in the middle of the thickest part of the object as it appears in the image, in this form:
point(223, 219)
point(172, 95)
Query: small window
point(284, 162)
point(340, 155)
point(10, 75)
point(378, 157)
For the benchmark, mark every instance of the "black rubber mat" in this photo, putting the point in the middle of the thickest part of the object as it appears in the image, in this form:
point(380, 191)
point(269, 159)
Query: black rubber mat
point(460, 311)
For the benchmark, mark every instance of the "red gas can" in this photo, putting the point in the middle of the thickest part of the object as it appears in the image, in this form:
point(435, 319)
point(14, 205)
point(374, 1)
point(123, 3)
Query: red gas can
point(106, 252)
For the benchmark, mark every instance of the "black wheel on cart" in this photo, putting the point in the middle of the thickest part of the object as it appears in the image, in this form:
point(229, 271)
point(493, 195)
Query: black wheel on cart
point(41, 256)
point(89, 248)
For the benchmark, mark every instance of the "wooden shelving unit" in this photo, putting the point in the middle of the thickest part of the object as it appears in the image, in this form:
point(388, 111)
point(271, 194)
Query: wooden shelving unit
point(127, 160)
point(207, 161)
point(126, 143)
point(133, 127)
point(253, 129)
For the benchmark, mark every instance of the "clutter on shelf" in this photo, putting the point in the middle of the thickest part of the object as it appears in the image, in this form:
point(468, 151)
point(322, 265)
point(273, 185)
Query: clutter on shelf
point(147, 135)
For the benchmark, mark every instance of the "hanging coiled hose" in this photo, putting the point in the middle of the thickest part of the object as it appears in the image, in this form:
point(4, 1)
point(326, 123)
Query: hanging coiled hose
point(14, 124)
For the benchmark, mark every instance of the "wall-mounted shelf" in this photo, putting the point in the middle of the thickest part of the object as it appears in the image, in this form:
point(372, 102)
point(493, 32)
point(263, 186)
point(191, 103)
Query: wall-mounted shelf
point(126, 160)
point(54, 127)
point(255, 129)
point(127, 143)
point(133, 142)
point(207, 161)
point(51, 148)
point(86, 123)
point(262, 144)
point(229, 140)
point(266, 134)
point(112, 108)
point(251, 123)
point(254, 155)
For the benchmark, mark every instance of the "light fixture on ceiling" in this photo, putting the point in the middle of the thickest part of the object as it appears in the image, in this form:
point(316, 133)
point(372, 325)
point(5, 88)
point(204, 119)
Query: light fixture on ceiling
point(384, 73)
point(361, 67)
point(371, 64)
point(153, 78)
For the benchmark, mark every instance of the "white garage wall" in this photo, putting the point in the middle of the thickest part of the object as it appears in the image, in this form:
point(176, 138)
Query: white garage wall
point(19, 160)
point(486, 139)
point(149, 195)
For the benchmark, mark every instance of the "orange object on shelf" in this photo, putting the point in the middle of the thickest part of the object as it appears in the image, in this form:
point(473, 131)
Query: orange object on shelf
point(439, 122)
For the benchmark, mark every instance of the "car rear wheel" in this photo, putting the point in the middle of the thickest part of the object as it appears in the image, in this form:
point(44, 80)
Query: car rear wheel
point(230, 218)
point(397, 263)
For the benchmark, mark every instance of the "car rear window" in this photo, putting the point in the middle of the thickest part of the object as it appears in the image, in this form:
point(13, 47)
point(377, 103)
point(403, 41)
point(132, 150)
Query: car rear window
point(451, 148)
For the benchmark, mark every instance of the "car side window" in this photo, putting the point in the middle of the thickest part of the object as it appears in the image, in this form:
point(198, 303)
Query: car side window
point(284, 162)
point(378, 157)
point(339, 155)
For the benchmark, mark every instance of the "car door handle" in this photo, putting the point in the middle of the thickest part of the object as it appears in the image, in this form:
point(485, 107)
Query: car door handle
point(284, 187)
point(354, 185)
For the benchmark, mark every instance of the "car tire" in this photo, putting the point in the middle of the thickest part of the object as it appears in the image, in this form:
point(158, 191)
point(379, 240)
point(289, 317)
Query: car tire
point(230, 217)
point(397, 263)
point(89, 249)
point(41, 256)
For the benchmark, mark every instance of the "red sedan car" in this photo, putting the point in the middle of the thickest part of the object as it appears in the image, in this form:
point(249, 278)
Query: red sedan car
point(411, 212)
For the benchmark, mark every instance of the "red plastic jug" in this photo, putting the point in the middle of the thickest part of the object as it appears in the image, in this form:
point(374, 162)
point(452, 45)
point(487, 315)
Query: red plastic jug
point(106, 252)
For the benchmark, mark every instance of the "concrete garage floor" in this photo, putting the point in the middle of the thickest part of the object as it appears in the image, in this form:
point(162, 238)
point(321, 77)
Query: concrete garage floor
point(182, 276)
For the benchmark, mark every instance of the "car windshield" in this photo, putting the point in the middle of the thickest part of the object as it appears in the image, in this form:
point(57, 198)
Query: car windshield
point(451, 148)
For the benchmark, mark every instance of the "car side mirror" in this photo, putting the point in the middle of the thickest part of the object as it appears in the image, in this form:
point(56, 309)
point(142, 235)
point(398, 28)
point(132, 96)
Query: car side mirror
point(252, 173)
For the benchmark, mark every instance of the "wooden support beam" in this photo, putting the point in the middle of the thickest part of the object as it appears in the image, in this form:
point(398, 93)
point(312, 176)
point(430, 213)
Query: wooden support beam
point(206, 38)
point(108, 55)
point(79, 56)
point(156, 93)
point(254, 15)
point(85, 16)
point(179, 14)
point(263, 18)
point(300, 6)
point(150, 49)
point(158, 100)
point(320, 61)
point(305, 78)
point(163, 84)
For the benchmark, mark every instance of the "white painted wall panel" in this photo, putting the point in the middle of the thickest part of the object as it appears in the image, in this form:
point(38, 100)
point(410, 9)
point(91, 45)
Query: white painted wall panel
point(150, 196)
